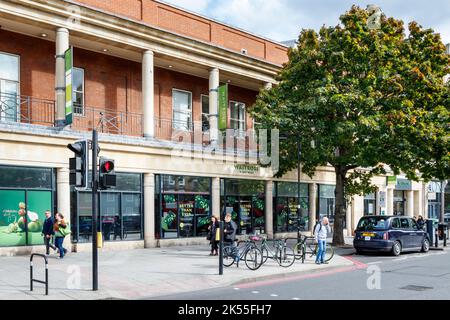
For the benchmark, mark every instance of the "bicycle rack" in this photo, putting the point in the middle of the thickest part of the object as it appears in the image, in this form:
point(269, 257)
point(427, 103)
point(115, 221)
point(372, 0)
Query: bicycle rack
point(46, 272)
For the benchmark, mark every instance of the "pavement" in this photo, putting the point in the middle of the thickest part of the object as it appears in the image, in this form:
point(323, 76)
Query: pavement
point(140, 274)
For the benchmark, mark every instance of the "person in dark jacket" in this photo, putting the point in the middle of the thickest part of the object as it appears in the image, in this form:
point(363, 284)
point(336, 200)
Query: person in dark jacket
point(421, 222)
point(213, 227)
point(229, 230)
point(48, 232)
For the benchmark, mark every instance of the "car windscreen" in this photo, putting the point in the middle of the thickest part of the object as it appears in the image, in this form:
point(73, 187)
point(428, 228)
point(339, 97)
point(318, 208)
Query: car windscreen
point(372, 224)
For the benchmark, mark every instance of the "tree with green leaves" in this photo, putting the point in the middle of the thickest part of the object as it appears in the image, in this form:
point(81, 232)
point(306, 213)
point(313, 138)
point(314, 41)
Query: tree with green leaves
point(362, 99)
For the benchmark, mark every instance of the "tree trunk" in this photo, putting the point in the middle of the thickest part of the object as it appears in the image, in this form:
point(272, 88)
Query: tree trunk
point(339, 210)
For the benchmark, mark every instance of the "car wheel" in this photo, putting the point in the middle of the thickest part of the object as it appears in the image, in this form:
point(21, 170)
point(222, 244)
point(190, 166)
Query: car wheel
point(425, 245)
point(396, 249)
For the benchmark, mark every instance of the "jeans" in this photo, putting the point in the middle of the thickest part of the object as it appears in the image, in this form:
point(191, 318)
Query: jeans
point(320, 255)
point(48, 244)
point(59, 244)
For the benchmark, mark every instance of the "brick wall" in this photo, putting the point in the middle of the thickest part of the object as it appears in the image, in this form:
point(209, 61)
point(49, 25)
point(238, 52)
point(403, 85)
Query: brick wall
point(182, 22)
point(111, 83)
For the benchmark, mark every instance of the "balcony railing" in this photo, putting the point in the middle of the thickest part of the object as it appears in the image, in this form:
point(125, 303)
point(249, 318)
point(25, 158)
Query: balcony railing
point(30, 110)
point(108, 121)
point(24, 109)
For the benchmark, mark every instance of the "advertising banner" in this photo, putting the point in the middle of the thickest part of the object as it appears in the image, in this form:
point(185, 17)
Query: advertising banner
point(68, 58)
point(223, 106)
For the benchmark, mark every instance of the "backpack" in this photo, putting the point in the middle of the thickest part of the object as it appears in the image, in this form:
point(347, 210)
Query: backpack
point(315, 226)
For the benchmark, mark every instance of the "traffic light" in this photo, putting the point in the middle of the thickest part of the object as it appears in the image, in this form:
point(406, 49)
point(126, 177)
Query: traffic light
point(79, 166)
point(107, 175)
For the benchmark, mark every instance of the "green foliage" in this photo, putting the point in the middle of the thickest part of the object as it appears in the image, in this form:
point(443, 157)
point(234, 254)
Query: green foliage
point(361, 98)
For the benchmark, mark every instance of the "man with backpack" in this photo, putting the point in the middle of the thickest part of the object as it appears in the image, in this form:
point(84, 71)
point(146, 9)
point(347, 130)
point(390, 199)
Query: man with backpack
point(321, 232)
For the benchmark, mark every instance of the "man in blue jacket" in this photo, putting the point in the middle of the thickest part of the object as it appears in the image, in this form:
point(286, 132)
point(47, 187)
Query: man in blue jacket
point(48, 232)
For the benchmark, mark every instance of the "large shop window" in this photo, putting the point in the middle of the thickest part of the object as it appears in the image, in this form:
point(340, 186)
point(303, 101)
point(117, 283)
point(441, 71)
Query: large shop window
point(327, 202)
point(120, 216)
point(182, 206)
point(25, 195)
point(245, 200)
point(9, 87)
point(286, 218)
point(182, 110)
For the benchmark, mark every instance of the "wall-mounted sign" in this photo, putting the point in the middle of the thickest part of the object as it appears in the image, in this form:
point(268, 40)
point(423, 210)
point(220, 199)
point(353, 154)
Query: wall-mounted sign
point(391, 180)
point(246, 168)
point(403, 184)
point(223, 106)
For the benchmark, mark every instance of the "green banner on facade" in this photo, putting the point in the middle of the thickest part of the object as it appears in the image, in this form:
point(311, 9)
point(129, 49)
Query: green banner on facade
point(68, 58)
point(223, 106)
point(391, 180)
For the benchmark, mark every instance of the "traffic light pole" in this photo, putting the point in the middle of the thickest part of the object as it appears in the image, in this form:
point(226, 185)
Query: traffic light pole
point(94, 211)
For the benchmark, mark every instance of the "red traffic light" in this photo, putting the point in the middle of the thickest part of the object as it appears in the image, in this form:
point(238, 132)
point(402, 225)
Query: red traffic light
point(107, 166)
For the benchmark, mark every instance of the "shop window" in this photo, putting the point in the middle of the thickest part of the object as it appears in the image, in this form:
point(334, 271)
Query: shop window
point(237, 117)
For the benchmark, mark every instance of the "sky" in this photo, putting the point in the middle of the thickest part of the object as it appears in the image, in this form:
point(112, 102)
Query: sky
point(283, 20)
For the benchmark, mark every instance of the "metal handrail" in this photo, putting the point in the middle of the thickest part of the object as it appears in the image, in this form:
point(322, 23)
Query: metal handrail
point(46, 272)
point(25, 109)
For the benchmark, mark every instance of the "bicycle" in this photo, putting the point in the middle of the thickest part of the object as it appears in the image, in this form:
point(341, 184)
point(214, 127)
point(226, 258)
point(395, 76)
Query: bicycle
point(282, 254)
point(249, 253)
point(304, 247)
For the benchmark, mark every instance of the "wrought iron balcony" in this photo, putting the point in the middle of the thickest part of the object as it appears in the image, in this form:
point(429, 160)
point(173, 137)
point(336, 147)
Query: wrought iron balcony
point(24, 109)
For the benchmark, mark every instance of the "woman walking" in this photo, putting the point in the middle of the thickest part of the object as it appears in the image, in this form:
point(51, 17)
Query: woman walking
point(213, 228)
point(60, 233)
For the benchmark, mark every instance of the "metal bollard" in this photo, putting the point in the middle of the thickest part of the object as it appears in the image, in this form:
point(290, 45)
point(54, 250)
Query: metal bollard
point(46, 272)
point(221, 226)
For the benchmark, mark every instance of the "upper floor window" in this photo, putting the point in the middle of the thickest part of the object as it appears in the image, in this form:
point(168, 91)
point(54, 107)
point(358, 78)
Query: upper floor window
point(182, 110)
point(237, 116)
point(9, 87)
point(78, 91)
point(205, 113)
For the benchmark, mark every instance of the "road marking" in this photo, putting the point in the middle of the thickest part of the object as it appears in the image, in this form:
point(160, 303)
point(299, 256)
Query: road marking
point(255, 292)
point(237, 288)
point(274, 295)
point(376, 262)
point(296, 299)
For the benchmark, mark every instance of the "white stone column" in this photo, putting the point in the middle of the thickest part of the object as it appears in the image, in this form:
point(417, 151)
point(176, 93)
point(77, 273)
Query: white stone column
point(148, 92)
point(268, 214)
point(149, 210)
point(390, 201)
point(63, 196)
point(215, 197)
point(409, 203)
point(312, 205)
point(418, 208)
point(62, 44)
point(213, 104)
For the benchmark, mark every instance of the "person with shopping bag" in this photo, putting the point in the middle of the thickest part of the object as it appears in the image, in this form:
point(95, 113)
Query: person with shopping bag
point(214, 235)
point(62, 229)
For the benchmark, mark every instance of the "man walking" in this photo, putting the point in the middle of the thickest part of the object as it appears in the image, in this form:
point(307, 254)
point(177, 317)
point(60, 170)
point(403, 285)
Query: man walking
point(48, 232)
point(321, 232)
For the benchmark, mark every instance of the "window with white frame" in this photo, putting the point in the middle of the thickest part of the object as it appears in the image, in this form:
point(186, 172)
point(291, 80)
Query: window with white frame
point(237, 117)
point(9, 87)
point(78, 91)
point(205, 113)
point(182, 110)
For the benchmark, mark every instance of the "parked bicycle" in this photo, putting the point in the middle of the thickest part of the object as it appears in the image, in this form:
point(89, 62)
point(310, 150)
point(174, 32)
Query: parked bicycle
point(308, 246)
point(278, 252)
point(248, 252)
